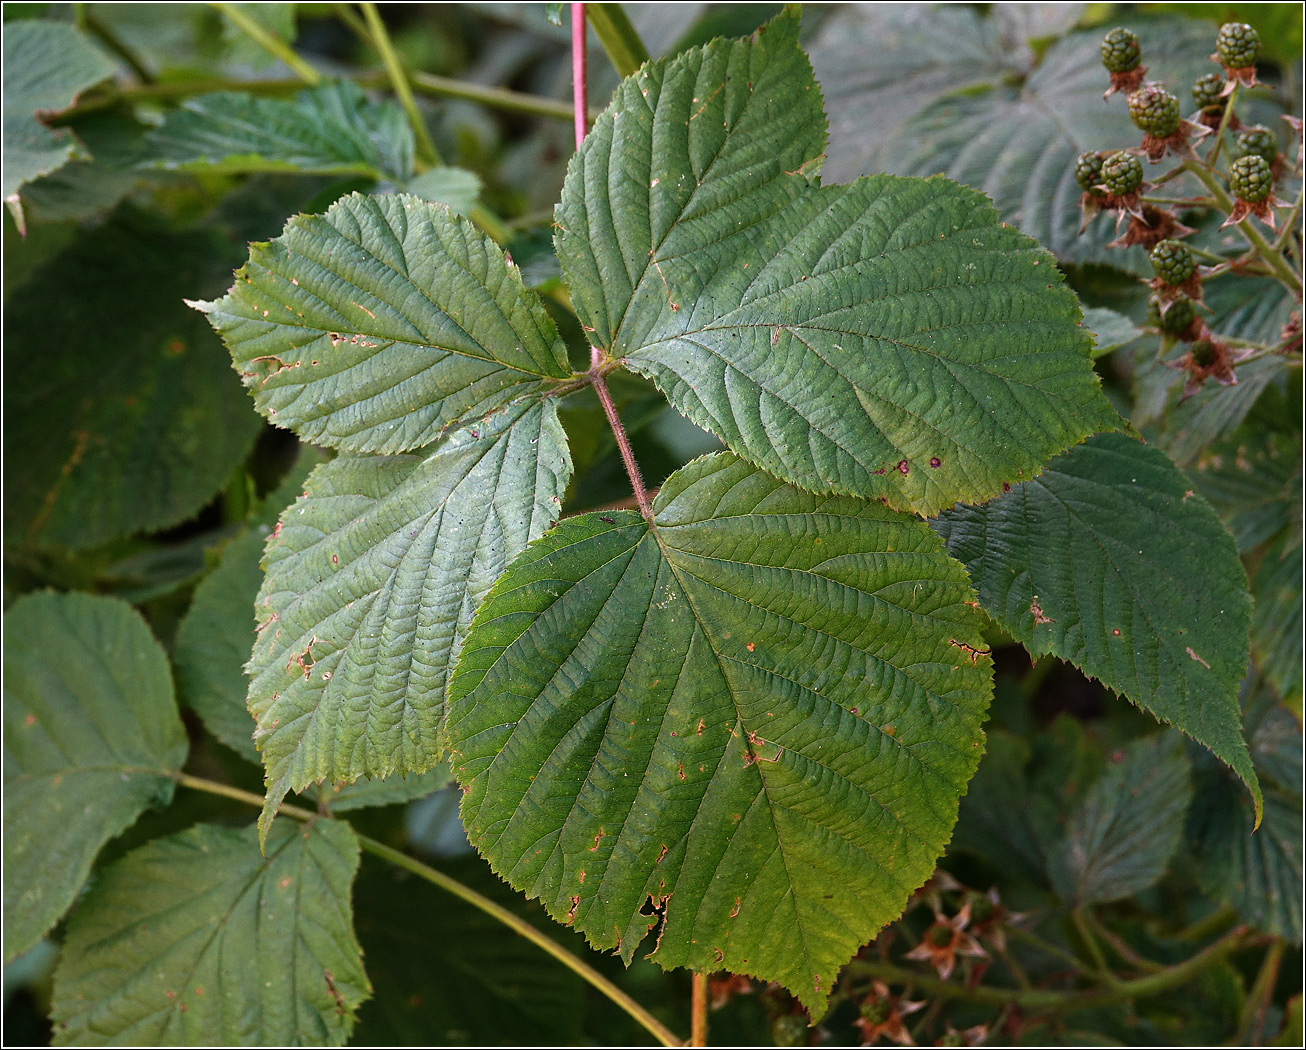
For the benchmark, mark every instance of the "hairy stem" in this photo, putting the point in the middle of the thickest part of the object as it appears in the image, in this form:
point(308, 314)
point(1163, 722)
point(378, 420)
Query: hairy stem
point(465, 893)
point(698, 1011)
point(269, 43)
point(426, 151)
point(622, 44)
point(579, 72)
point(623, 443)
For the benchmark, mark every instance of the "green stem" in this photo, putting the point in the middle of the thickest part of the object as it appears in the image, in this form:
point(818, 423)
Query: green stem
point(465, 893)
point(1046, 947)
point(1121, 948)
point(427, 154)
point(620, 41)
point(1252, 1017)
point(496, 97)
point(1079, 917)
point(271, 44)
point(1289, 225)
point(1062, 1001)
point(1224, 126)
point(86, 20)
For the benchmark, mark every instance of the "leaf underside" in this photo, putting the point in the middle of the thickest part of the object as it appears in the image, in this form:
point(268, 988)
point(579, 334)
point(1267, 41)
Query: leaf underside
point(1111, 561)
point(372, 580)
point(887, 339)
point(91, 735)
point(754, 721)
point(199, 939)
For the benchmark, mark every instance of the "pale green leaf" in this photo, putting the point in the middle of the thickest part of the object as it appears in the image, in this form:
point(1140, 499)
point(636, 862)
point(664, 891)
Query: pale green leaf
point(332, 129)
point(372, 580)
point(753, 721)
point(1110, 560)
point(1122, 835)
point(456, 187)
point(91, 735)
point(375, 327)
point(1110, 330)
point(46, 66)
point(119, 397)
point(200, 940)
point(365, 792)
point(889, 338)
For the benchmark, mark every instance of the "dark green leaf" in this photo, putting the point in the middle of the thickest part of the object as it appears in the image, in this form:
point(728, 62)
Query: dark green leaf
point(91, 735)
point(119, 396)
point(1253, 482)
point(198, 939)
point(1111, 561)
point(372, 580)
point(814, 328)
point(1277, 625)
point(1124, 833)
point(46, 66)
point(376, 326)
point(331, 129)
point(753, 721)
point(365, 792)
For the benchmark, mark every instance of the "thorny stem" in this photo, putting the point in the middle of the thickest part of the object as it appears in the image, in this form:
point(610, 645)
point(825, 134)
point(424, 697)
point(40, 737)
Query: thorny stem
point(269, 43)
point(620, 41)
point(465, 893)
point(698, 1009)
point(1046, 1000)
point(426, 151)
point(579, 78)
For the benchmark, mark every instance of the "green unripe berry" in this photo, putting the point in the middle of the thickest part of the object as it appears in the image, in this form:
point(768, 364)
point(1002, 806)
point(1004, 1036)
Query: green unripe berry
point(1173, 261)
point(1203, 352)
point(789, 1030)
point(1088, 172)
point(1258, 141)
point(1251, 179)
point(1238, 45)
point(1121, 51)
point(1154, 110)
point(1177, 317)
point(1207, 90)
point(1122, 173)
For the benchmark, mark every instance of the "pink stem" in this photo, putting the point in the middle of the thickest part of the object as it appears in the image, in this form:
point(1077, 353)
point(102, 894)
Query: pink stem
point(579, 85)
point(623, 444)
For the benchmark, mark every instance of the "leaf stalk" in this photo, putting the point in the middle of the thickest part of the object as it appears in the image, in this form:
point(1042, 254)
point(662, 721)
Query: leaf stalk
point(620, 41)
point(271, 44)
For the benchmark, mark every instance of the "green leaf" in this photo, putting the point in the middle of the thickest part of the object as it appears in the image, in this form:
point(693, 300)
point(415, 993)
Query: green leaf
point(1110, 330)
point(91, 735)
point(753, 721)
point(377, 326)
point(456, 187)
point(198, 939)
point(812, 328)
point(372, 580)
point(1277, 625)
point(1111, 561)
point(1121, 837)
point(118, 395)
point(365, 792)
point(332, 129)
point(46, 66)
point(1017, 140)
point(1253, 482)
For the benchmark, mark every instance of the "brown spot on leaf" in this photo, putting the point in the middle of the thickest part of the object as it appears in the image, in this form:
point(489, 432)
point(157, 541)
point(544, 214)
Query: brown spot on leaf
point(903, 467)
point(1037, 610)
point(1189, 651)
point(935, 462)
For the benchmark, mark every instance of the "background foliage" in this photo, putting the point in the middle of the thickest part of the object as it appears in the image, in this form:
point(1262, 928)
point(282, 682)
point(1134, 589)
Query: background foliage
point(138, 479)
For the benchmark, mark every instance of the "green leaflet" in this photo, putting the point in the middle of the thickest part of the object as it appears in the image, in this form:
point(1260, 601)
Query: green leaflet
point(198, 939)
point(456, 187)
point(375, 327)
point(753, 721)
point(46, 66)
point(1109, 560)
point(372, 580)
point(329, 129)
point(888, 339)
point(1121, 837)
point(91, 735)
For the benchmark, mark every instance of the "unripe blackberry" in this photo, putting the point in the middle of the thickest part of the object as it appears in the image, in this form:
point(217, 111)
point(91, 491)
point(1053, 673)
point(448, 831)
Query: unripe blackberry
point(1258, 141)
point(1121, 51)
point(1238, 45)
point(1207, 90)
point(1251, 179)
point(1177, 317)
point(1154, 110)
point(1088, 172)
point(1203, 352)
point(1173, 261)
point(1122, 173)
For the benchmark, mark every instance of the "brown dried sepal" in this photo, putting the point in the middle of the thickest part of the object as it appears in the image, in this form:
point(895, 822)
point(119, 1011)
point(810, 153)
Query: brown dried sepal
point(1190, 289)
point(1150, 227)
point(1245, 75)
point(1207, 358)
point(1126, 82)
point(945, 940)
point(881, 1016)
point(1290, 335)
point(1263, 210)
point(1176, 143)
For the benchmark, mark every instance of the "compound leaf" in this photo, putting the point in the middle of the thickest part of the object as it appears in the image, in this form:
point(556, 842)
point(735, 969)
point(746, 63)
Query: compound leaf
point(889, 338)
point(372, 580)
point(378, 325)
point(198, 939)
point(46, 66)
point(1123, 834)
point(753, 720)
point(331, 129)
point(1111, 561)
point(91, 735)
